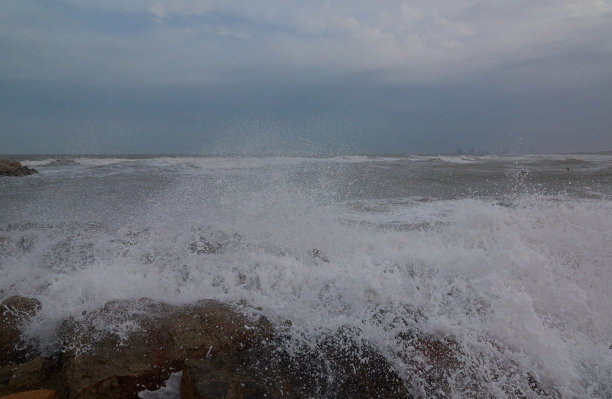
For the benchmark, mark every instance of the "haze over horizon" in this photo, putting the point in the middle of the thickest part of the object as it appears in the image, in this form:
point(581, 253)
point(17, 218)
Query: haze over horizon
point(189, 76)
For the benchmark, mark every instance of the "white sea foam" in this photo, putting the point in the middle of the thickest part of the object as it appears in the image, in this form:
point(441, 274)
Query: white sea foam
point(87, 161)
point(205, 162)
point(34, 163)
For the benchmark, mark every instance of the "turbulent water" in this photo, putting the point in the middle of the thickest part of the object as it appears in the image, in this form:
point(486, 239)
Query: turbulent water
point(510, 250)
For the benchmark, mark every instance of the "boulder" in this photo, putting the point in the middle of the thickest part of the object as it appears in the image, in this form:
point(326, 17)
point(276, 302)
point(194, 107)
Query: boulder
point(14, 312)
point(14, 168)
point(338, 366)
point(99, 364)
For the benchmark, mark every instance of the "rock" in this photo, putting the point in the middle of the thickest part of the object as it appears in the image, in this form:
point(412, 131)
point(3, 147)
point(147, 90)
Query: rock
point(222, 354)
point(337, 367)
point(356, 368)
point(6, 372)
point(14, 168)
point(40, 394)
point(40, 373)
point(14, 311)
point(225, 376)
point(32, 374)
point(99, 364)
point(433, 362)
point(128, 347)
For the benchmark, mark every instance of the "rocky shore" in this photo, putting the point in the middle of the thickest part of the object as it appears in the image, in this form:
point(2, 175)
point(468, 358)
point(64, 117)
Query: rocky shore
point(14, 168)
point(221, 353)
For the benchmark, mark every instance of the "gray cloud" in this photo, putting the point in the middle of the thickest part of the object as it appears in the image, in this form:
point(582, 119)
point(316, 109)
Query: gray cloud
point(421, 75)
point(191, 40)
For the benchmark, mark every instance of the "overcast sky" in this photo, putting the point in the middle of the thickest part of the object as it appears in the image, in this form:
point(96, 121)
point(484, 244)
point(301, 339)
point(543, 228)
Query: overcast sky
point(192, 76)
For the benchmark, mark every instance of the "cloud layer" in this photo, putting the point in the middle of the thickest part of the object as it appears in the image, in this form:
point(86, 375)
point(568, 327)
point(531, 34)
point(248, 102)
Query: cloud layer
point(189, 40)
point(527, 48)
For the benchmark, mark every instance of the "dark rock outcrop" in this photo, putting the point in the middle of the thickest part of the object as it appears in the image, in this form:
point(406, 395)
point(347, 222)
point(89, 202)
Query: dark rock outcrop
point(40, 373)
point(128, 347)
point(433, 362)
point(14, 311)
point(223, 354)
point(14, 168)
point(104, 365)
point(336, 367)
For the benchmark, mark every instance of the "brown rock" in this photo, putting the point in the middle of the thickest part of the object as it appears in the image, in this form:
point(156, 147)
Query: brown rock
point(14, 311)
point(337, 367)
point(40, 394)
point(101, 365)
point(31, 374)
point(40, 373)
point(225, 376)
point(433, 362)
point(14, 168)
point(6, 372)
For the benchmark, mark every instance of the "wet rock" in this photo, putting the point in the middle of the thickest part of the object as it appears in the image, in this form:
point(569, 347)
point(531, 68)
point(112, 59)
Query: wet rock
point(40, 373)
point(336, 367)
point(225, 376)
point(15, 311)
point(432, 361)
point(32, 374)
point(356, 368)
point(14, 168)
point(157, 340)
point(439, 367)
point(39, 394)
point(6, 372)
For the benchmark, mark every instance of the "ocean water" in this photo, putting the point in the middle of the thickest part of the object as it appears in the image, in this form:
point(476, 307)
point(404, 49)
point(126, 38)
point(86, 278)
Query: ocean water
point(508, 256)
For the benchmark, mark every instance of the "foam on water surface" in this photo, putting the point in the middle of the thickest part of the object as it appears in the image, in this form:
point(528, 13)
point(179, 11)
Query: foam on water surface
point(527, 271)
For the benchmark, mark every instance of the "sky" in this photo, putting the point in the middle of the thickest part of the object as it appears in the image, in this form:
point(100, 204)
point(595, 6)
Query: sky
point(297, 76)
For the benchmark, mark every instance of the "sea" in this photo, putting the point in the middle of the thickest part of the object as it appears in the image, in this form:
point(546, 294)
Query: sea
point(509, 256)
